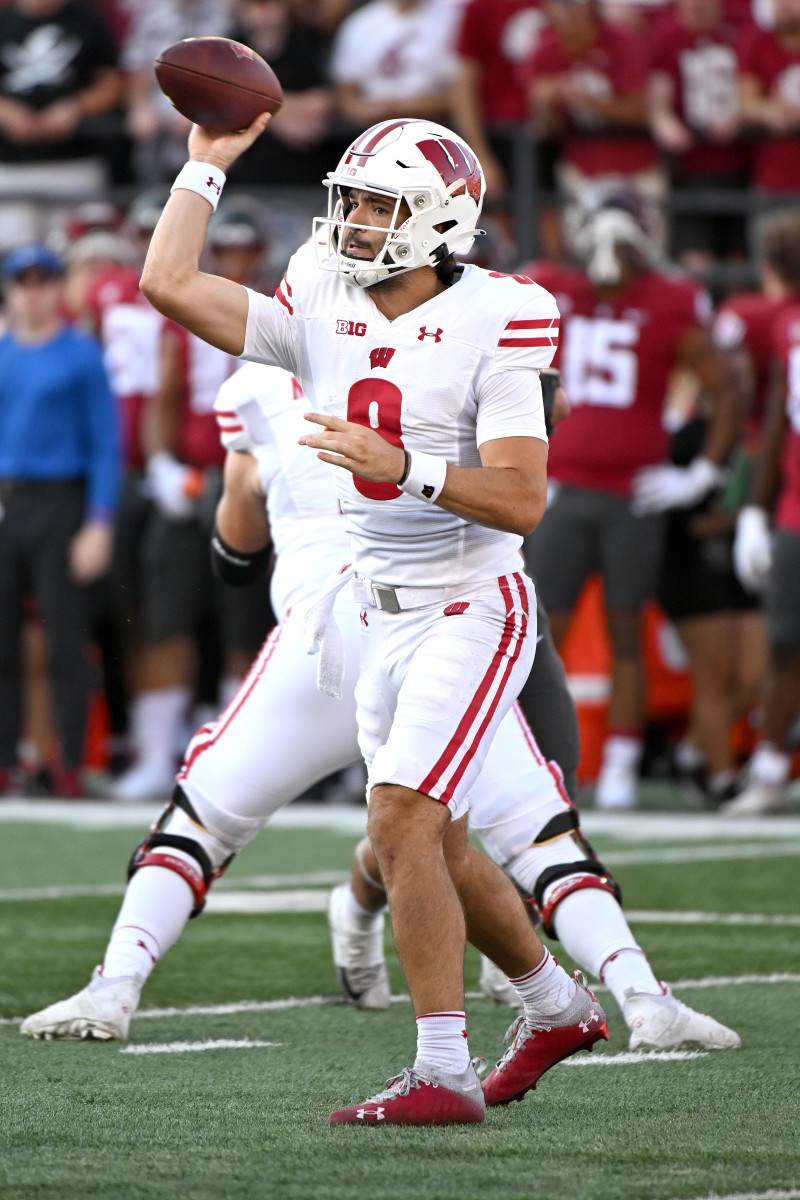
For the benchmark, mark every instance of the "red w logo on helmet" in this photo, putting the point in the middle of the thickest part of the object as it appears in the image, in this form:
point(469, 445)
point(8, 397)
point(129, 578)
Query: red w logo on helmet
point(454, 161)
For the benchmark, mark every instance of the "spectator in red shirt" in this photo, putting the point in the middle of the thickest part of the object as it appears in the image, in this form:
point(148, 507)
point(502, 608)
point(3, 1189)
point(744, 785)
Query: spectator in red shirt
point(769, 97)
point(587, 89)
point(743, 326)
point(495, 39)
point(772, 561)
point(694, 119)
point(625, 327)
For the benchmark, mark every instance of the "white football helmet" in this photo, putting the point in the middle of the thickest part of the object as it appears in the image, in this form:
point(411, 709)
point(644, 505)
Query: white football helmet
point(424, 164)
point(613, 215)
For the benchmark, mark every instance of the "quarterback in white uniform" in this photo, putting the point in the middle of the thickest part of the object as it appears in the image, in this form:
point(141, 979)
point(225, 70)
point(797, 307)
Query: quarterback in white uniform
point(441, 469)
point(281, 734)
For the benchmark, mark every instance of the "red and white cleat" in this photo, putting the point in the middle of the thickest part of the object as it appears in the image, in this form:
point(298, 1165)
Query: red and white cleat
point(420, 1096)
point(533, 1049)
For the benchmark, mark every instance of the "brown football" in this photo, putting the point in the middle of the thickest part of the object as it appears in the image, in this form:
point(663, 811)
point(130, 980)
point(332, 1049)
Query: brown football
point(218, 83)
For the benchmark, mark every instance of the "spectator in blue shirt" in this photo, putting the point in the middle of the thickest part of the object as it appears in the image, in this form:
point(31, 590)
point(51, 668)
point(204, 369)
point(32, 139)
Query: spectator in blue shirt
point(59, 476)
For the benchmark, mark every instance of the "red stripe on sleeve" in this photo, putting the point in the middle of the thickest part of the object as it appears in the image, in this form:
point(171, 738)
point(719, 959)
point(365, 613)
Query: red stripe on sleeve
point(540, 341)
point(544, 323)
point(280, 296)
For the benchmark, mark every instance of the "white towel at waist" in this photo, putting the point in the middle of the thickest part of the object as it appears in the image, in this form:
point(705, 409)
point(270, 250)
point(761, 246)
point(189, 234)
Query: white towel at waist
point(323, 636)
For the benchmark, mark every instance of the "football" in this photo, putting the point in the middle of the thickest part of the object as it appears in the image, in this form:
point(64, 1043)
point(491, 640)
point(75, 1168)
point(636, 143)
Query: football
point(217, 83)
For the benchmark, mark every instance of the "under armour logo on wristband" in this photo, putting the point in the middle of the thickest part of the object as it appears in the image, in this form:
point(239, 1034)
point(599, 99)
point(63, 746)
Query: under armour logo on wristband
point(210, 183)
point(428, 490)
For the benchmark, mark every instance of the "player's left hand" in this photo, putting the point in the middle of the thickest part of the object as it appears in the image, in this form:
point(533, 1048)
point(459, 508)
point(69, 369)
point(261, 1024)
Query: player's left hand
point(657, 489)
point(356, 448)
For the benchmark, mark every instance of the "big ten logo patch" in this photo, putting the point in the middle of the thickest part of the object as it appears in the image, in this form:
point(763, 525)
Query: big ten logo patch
point(351, 328)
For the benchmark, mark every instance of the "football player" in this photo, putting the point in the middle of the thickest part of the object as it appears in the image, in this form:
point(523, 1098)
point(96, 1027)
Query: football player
point(426, 399)
point(627, 324)
point(770, 561)
point(239, 771)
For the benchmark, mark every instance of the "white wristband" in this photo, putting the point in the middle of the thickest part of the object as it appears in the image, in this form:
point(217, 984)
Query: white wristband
point(202, 178)
point(425, 477)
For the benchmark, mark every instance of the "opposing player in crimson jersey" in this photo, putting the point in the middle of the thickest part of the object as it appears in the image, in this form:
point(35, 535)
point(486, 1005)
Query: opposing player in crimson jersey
point(625, 327)
point(771, 561)
point(424, 380)
point(280, 735)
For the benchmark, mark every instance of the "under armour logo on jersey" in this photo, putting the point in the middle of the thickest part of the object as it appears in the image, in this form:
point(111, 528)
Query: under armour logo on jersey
point(216, 186)
point(381, 356)
point(424, 332)
point(455, 610)
point(364, 620)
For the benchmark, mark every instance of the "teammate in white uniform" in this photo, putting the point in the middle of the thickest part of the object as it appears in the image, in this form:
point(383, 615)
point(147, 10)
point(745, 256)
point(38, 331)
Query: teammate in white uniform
point(431, 409)
point(280, 735)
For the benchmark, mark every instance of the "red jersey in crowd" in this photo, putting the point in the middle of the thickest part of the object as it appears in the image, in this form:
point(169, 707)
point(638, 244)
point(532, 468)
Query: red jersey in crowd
point(616, 358)
point(613, 66)
point(703, 68)
point(129, 329)
point(787, 347)
point(776, 161)
point(501, 35)
point(748, 321)
point(203, 370)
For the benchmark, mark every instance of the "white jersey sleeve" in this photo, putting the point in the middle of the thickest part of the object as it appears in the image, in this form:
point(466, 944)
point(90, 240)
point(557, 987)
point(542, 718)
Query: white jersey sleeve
point(271, 334)
point(240, 417)
point(510, 394)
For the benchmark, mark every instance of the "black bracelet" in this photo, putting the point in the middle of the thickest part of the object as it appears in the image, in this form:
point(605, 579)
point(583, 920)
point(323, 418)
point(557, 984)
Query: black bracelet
point(406, 468)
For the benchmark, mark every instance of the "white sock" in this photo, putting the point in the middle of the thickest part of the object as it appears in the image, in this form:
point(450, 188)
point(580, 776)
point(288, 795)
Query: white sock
point(592, 928)
point(622, 751)
point(768, 765)
point(364, 918)
point(156, 720)
point(630, 969)
point(156, 907)
point(546, 990)
point(442, 1041)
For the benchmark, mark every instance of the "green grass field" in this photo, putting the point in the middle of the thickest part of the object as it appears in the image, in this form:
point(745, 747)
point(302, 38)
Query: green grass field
point(715, 906)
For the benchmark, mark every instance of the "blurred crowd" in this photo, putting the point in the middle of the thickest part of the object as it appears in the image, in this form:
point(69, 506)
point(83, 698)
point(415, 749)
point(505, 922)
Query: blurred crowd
point(110, 462)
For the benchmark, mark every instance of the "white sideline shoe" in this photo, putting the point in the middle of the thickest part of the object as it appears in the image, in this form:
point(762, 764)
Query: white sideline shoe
point(616, 788)
point(494, 984)
point(358, 954)
point(756, 800)
point(665, 1023)
point(102, 1011)
point(144, 781)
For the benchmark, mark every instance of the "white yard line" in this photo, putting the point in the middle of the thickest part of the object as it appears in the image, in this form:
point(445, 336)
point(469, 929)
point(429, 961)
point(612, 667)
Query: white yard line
point(233, 887)
point(183, 1047)
point(685, 854)
point(772, 1194)
point(648, 917)
point(291, 1002)
point(351, 818)
point(632, 1056)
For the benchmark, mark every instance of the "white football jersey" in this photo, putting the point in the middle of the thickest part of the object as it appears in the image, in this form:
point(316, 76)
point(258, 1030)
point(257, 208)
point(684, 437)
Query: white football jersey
point(260, 409)
point(455, 372)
